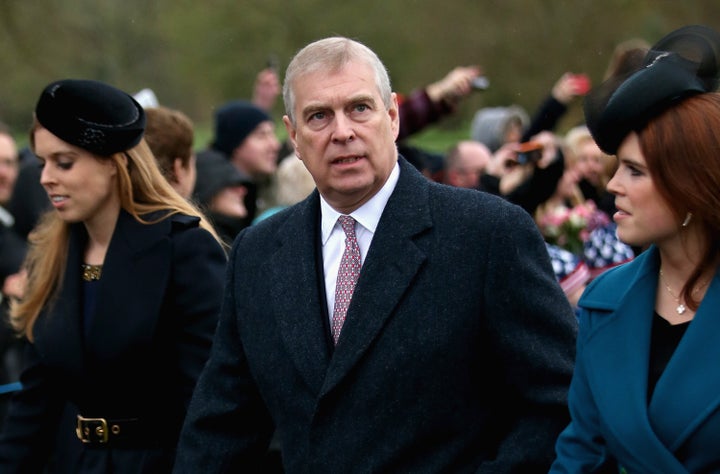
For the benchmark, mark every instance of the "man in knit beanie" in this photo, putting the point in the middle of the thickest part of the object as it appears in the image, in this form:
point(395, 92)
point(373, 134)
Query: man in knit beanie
point(245, 135)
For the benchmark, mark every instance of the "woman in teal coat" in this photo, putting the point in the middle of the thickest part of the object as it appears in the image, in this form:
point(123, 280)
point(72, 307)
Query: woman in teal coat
point(123, 291)
point(645, 394)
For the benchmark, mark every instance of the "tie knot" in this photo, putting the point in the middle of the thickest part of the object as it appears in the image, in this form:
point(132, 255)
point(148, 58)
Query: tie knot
point(348, 225)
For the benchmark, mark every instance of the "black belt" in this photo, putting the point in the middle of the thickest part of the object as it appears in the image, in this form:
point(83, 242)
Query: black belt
point(102, 431)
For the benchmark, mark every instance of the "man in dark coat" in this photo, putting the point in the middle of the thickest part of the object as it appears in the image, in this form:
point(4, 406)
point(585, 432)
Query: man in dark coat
point(457, 348)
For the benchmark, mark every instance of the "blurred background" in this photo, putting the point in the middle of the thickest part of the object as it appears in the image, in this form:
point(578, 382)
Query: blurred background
point(195, 55)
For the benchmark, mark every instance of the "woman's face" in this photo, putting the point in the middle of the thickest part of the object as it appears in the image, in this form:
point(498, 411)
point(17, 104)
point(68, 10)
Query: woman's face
point(643, 216)
point(81, 186)
point(230, 201)
point(590, 162)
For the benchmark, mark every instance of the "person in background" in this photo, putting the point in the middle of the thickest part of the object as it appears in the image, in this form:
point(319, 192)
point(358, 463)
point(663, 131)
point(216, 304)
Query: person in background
point(414, 352)
point(28, 200)
point(245, 135)
point(294, 183)
point(9, 162)
point(594, 167)
point(267, 87)
point(220, 192)
point(644, 394)
point(12, 253)
point(525, 173)
point(428, 105)
point(569, 220)
point(169, 133)
point(572, 273)
point(507, 130)
point(626, 57)
point(465, 163)
point(496, 126)
point(123, 291)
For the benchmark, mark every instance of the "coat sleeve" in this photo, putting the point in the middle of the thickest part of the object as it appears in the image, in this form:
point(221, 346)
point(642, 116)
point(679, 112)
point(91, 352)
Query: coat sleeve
point(533, 328)
point(199, 264)
point(29, 428)
point(227, 426)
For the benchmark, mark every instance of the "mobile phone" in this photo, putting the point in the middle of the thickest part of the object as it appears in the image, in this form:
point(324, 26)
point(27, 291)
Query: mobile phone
point(480, 83)
point(582, 83)
point(273, 63)
point(529, 152)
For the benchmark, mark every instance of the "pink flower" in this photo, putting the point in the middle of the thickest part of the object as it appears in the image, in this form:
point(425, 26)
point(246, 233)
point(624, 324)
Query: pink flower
point(570, 227)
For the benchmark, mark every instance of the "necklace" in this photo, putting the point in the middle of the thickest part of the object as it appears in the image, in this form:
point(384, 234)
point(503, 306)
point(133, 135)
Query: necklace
point(91, 272)
point(680, 307)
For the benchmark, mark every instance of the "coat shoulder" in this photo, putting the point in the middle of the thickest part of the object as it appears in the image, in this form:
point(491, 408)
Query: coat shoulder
point(180, 222)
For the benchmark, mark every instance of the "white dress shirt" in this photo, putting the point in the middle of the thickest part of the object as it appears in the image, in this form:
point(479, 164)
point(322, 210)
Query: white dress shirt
point(366, 216)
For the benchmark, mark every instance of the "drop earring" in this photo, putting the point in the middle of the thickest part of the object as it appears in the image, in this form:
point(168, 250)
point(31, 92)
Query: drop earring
point(687, 220)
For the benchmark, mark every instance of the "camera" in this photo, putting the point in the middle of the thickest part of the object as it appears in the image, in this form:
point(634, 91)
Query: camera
point(480, 83)
point(529, 152)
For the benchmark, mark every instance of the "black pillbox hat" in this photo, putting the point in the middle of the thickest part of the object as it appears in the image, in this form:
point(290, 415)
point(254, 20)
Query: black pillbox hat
point(92, 115)
point(683, 63)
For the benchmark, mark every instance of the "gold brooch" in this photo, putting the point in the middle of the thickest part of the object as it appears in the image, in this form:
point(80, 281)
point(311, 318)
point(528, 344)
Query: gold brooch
point(91, 272)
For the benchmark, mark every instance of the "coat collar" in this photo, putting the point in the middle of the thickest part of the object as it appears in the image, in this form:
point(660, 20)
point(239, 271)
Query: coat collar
point(617, 345)
point(390, 265)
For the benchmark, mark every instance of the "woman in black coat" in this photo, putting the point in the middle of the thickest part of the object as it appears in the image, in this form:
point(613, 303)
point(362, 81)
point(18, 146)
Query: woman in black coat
point(124, 287)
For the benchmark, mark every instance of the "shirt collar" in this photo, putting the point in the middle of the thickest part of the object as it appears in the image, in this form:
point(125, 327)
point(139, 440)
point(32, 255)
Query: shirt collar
point(367, 215)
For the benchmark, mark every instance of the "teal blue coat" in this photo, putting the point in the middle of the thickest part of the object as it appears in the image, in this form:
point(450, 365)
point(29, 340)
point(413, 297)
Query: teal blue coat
point(679, 431)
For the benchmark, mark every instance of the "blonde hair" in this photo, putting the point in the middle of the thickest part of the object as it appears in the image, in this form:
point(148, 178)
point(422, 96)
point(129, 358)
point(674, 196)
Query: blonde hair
point(574, 139)
point(294, 181)
point(142, 189)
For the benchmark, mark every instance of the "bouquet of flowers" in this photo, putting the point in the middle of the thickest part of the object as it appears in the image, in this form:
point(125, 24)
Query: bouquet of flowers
point(569, 228)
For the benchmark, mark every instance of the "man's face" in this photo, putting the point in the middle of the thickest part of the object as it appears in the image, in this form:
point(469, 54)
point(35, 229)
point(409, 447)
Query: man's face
point(257, 155)
point(8, 167)
point(474, 157)
point(344, 134)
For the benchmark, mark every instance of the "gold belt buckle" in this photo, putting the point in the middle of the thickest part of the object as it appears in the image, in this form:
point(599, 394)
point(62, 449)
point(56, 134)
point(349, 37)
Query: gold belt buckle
point(83, 431)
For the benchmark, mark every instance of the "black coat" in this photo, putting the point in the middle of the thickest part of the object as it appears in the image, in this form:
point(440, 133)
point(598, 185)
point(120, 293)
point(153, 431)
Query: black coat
point(456, 353)
point(157, 306)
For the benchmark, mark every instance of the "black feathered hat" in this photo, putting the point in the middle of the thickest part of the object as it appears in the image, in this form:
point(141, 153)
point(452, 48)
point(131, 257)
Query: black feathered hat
point(91, 115)
point(683, 63)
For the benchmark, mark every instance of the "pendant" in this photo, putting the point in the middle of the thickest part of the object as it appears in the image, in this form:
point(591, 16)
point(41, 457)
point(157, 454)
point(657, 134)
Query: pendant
point(680, 309)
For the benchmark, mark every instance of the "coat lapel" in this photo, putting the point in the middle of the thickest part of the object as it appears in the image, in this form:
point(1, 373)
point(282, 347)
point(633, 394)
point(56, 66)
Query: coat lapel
point(62, 319)
point(692, 371)
point(300, 306)
point(618, 350)
point(390, 266)
point(130, 295)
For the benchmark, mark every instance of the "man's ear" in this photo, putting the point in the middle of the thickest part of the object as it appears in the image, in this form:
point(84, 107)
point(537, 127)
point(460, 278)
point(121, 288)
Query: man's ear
point(394, 112)
point(292, 134)
point(176, 170)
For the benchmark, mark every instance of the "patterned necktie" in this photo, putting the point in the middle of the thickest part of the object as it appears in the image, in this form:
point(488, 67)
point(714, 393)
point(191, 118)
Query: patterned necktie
point(347, 275)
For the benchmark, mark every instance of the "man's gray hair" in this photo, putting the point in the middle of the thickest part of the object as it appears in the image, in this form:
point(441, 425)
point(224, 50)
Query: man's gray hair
point(331, 54)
